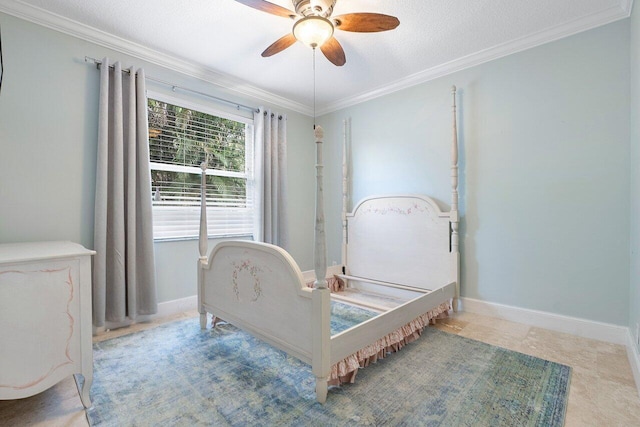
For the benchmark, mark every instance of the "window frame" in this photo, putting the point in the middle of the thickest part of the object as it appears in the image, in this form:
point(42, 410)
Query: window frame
point(248, 174)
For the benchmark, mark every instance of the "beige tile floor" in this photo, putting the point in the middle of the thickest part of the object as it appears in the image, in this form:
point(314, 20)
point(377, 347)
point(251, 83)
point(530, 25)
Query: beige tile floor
point(602, 391)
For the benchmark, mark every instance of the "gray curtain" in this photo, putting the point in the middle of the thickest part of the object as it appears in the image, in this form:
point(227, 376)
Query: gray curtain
point(271, 177)
point(124, 282)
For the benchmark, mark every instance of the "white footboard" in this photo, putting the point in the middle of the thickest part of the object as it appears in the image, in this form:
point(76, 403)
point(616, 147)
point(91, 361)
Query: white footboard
point(259, 288)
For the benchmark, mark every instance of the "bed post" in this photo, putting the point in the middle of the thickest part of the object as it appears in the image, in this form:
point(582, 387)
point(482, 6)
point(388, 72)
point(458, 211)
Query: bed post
point(202, 242)
point(454, 218)
point(320, 253)
point(321, 332)
point(345, 196)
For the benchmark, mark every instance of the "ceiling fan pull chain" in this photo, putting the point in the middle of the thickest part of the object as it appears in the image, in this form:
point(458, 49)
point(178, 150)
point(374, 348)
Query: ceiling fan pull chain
point(314, 87)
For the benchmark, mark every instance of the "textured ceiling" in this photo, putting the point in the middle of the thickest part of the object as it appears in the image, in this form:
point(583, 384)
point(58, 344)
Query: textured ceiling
point(434, 37)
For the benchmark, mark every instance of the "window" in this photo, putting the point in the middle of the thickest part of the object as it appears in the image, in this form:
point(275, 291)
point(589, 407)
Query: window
point(181, 137)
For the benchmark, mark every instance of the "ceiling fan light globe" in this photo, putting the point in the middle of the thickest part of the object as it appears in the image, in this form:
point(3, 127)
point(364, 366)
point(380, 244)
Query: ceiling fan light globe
point(313, 31)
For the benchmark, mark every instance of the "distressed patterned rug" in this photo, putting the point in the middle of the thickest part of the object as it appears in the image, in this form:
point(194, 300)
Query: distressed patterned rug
point(177, 374)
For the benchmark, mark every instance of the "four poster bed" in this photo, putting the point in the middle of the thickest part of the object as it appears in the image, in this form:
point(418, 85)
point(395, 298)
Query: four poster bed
point(403, 244)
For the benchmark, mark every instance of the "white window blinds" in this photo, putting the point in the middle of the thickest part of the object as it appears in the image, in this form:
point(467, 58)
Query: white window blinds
point(181, 137)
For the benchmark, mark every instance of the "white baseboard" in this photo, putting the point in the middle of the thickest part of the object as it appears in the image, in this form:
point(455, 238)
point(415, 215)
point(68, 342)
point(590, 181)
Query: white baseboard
point(165, 309)
point(570, 325)
point(634, 359)
point(176, 306)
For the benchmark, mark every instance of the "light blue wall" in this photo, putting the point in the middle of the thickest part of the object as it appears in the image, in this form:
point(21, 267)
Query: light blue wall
point(634, 292)
point(544, 140)
point(48, 133)
point(545, 171)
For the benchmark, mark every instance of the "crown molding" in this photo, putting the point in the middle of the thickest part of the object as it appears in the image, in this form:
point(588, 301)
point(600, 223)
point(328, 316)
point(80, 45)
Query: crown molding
point(67, 26)
point(626, 6)
point(58, 23)
point(607, 16)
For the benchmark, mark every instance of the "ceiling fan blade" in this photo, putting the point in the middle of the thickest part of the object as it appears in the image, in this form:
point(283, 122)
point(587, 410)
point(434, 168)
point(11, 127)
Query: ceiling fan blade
point(334, 52)
point(365, 22)
point(268, 7)
point(279, 45)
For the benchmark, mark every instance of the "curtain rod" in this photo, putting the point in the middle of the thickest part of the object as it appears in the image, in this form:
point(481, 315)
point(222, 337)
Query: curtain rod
point(174, 87)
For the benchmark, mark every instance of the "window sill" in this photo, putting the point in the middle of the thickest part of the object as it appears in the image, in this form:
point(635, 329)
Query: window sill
point(184, 239)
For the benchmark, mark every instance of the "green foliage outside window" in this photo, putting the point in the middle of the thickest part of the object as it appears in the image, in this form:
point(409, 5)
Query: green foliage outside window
point(185, 137)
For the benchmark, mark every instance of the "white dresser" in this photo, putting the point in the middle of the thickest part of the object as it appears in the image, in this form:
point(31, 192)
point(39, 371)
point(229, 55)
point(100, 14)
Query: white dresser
point(45, 317)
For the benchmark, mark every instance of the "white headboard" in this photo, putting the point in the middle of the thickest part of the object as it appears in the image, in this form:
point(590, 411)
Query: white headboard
point(401, 239)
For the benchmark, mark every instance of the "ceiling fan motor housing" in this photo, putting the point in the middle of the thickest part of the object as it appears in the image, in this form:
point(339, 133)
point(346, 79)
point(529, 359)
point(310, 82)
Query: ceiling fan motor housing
point(322, 8)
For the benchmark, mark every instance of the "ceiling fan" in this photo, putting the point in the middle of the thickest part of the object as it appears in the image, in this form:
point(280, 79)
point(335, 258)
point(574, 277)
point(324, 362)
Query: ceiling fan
point(314, 25)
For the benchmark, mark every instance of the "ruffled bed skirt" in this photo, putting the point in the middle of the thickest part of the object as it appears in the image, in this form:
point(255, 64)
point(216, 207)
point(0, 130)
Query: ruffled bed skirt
point(335, 284)
point(345, 371)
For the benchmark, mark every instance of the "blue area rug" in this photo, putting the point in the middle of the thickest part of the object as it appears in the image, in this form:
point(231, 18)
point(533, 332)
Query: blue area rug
point(178, 374)
point(344, 316)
